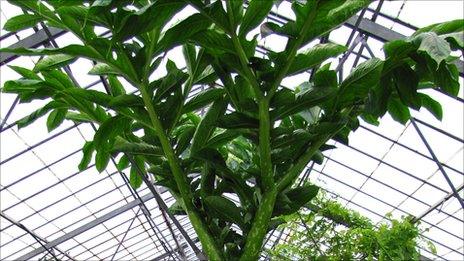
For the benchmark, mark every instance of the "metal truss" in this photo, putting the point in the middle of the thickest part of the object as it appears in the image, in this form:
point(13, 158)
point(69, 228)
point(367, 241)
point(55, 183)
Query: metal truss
point(161, 236)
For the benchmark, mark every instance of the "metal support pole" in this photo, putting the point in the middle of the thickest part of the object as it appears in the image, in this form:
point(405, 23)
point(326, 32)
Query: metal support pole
point(163, 205)
point(39, 239)
point(125, 234)
point(440, 167)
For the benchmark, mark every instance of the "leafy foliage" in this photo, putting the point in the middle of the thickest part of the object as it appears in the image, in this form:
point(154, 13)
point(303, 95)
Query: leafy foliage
point(326, 230)
point(233, 168)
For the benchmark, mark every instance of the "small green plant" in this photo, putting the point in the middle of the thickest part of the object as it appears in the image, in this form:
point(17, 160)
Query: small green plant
point(254, 152)
point(326, 230)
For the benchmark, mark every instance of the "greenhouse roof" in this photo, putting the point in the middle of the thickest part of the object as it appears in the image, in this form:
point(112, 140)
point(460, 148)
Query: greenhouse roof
point(50, 209)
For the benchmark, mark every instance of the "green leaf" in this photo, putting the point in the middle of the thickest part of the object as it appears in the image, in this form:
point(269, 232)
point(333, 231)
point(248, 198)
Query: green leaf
point(126, 100)
point(102, 158)
point(55, 118)
point(176, 209)
point(406, 82)
point(236, 120)
point(116, 87)
point(357, 85)
point(202, 99)
point(54, 61)
point(103, 69)
point(152, 16)
point(26, 73)
point(432, 106)
point(109, 129)
point(443, 28)
point(214, 42)
point(97, 97)
point(181, 32)
point(314, 56)
point(398, 111)
point(25, 121)
point(299, 196)
point(255, 13)
point(305, 100)
point(87, 152)
point(430, 43)
point(184, 139)
point(222, 138)
point(207, 125)
point(447, 78)
point(135, 178)
point(456, 40)
point(224, 209)
point(73, 50)
point(215, 12)
point(139, 148)
point(123, 163)
point(21, 22)
point(330, 14)
point(21, 85)
point(78, 117)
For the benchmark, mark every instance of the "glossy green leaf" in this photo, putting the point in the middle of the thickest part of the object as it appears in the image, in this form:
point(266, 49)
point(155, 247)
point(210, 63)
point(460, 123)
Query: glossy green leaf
point(447, 78)
point(25, 121)
point(443, 28)
point(53, 61)
point(305, 100)
point(406, 82)
point(73, 50)
point(126, 100)
point(109, 129)
point(398, 111)
point(214, 42)
point(103, 69)
point(115, 85)
point(202, 99)
point(207, 125)
point(430, 43)
point(97, 97)
point(102, 158)
point(55, 118)
point(224, 209)
point(136, 148)
point(135, 178)
point(26, 73)
point(357, 85)
point(255, 13)
point(181, 32)
point(456, 40)
point(87, 152)
point(215, 12)
point(21, 22)
point(432, 106)
point(314, 56)
point(299, 196)
point(146, 19)
point(123, 163)
point(237, 120)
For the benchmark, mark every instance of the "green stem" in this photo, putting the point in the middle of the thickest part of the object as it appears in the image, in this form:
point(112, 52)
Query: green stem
point(265, 145)
point(258, 231)
point(249, 75)
point(209, 244)
point(291, 55)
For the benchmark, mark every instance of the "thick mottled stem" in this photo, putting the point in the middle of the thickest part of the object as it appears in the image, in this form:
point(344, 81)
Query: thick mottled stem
point(209, 244)
point(260, 226)
point(265, 145)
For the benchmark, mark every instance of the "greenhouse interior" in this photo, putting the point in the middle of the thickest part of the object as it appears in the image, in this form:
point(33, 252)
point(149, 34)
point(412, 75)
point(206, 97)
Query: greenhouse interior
point(218, 130)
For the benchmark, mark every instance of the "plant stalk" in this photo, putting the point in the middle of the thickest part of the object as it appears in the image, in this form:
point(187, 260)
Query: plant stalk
point(209, 244)
point(258, 231)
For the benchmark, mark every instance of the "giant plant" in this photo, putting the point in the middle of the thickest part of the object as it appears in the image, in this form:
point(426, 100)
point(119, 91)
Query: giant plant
point(256, 136)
